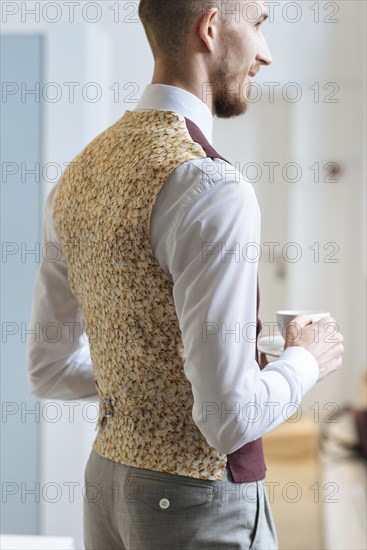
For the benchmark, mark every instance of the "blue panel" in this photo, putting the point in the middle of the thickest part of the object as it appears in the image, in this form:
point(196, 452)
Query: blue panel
point(21, 222)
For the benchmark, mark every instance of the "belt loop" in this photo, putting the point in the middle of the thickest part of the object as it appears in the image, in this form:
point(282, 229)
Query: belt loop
point(107, 408)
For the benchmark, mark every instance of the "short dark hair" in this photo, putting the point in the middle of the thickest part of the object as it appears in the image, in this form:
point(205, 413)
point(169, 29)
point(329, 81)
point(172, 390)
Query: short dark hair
point(167, 23)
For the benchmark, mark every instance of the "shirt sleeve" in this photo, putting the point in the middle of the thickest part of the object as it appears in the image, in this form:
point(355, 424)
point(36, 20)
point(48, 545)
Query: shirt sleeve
point(211, 253)
point(59, 363)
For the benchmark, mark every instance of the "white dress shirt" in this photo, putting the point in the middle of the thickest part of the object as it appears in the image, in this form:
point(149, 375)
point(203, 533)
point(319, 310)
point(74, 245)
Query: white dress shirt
point(203, 217)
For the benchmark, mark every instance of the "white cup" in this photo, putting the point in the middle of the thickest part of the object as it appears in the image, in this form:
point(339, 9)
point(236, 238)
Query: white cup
point(285, 316)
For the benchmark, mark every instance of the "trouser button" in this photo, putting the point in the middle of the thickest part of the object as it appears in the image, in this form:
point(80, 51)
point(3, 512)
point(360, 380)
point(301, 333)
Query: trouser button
point(164, 503)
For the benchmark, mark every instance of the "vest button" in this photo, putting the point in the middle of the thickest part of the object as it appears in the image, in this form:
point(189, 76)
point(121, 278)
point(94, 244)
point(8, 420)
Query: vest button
point(164, 503)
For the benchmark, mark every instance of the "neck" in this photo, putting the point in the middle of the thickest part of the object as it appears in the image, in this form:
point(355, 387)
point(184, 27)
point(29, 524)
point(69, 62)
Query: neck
point(163, 75)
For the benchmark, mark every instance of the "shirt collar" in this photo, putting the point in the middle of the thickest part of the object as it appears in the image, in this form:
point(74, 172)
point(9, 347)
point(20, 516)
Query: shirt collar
point(163, 97)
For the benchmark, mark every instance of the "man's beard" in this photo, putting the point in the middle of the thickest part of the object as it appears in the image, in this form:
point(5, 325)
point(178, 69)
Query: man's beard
point(230, 96)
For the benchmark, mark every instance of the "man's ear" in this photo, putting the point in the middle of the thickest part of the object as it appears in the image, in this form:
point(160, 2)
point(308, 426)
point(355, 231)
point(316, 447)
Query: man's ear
point(208, 27)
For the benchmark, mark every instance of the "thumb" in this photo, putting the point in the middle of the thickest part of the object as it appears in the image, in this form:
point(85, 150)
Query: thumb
point(302, 320)
point(294, 328)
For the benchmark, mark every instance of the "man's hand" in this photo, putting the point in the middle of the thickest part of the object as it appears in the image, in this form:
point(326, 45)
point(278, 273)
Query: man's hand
point(321, 339)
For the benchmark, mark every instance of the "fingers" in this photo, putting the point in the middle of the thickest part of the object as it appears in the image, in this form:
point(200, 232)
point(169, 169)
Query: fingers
point(321, 338)
point(301, 320)
point(330, 366)
point(327, 322)
point(331, 357)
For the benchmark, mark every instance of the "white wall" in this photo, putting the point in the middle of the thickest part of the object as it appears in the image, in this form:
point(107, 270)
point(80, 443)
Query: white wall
point(81, 54)
point(306, 132)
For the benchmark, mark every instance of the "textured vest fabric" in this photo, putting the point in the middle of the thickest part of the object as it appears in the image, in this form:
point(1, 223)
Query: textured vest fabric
point(102, 212)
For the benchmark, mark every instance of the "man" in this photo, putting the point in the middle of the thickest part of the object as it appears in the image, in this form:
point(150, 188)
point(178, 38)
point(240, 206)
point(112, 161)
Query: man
point(148, 218)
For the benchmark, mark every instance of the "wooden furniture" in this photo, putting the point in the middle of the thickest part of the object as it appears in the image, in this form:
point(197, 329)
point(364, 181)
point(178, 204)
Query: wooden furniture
point(293, 484)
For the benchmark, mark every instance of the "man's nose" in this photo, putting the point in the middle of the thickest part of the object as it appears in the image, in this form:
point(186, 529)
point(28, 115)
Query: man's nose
point(264, 55)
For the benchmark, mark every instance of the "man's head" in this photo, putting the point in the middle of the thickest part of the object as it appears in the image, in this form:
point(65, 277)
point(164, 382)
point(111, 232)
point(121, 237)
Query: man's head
point(210, 47)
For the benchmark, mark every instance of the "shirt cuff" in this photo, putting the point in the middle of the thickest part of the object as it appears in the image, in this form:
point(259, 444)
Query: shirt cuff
point(306, 364)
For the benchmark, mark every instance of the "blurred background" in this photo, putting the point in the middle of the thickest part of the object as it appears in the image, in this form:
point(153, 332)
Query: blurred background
point(71, 69)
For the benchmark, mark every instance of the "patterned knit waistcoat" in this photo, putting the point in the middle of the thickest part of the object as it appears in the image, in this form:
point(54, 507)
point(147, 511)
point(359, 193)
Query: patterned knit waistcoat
point(102, 212)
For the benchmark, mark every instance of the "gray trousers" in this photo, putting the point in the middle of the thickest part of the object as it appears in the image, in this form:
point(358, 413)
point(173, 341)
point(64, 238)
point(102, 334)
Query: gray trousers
point(128, 508)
